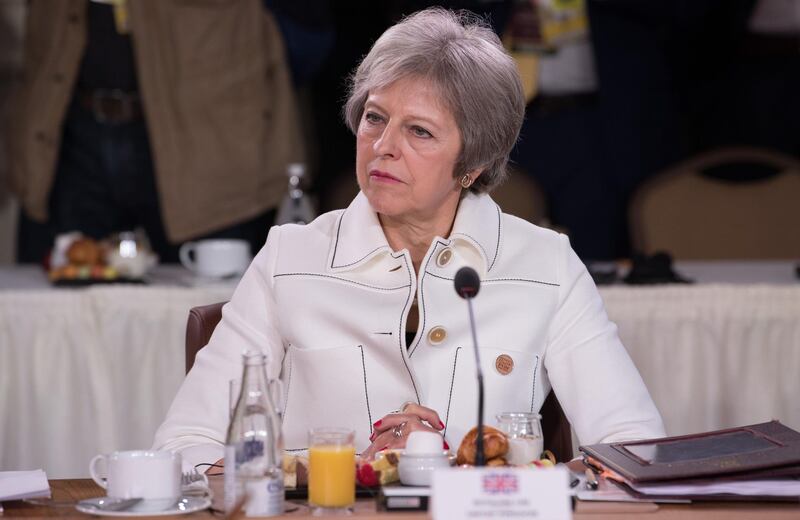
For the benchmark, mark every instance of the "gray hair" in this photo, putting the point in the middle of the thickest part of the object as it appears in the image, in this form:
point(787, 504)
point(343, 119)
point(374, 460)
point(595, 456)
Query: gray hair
point(477, 79)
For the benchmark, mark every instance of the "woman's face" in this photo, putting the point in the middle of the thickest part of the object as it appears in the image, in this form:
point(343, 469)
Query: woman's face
point(407, 145)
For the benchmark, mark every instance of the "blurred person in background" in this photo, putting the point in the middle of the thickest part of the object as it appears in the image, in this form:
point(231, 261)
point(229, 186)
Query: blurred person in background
point(12, 14)
point(560, 144)
point(174, 116)
point(748, 95)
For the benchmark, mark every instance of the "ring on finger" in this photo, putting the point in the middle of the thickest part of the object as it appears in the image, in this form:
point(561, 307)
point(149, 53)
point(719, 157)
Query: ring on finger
point(397, 431)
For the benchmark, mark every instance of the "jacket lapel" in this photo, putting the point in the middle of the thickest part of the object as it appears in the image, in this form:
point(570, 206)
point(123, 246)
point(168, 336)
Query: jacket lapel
point(358, 237)
point(478, 224)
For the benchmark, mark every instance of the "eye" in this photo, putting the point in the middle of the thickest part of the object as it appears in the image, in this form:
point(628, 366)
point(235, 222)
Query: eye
point(372, 118)
point(420, 132)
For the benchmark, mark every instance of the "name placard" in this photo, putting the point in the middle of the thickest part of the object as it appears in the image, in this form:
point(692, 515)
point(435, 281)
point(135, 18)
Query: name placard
point(501, 493)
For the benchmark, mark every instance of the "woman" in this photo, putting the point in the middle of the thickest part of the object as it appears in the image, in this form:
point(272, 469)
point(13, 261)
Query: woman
point(357, 312)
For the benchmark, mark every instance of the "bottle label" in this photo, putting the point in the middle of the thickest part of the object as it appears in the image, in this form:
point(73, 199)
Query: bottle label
point(265, 496)
point(246, 472)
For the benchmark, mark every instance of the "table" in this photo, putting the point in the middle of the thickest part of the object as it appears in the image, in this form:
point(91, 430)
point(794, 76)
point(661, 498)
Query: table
point(67, 492)
point(716, 355)
point(94, 370)
point(90, 370)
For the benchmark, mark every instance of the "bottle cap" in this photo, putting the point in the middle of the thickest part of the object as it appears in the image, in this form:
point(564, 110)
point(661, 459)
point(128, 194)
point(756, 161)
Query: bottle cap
point(296, 169)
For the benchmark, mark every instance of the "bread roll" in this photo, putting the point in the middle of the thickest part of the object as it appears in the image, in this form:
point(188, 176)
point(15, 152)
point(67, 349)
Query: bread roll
point(497, 461)
point(495, 444)
point(84, 251)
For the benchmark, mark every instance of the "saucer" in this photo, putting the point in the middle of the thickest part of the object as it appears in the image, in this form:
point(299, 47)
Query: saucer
point(180, 507)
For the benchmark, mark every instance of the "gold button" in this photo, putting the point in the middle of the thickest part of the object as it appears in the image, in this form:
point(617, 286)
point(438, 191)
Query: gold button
point(444, 257)
point(437, 335)
point(504, 364)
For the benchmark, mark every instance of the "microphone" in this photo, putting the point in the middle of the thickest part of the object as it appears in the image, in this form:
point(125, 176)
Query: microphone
point(467, 284)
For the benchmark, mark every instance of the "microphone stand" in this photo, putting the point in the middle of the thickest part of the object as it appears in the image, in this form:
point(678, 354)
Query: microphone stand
point(480, 459)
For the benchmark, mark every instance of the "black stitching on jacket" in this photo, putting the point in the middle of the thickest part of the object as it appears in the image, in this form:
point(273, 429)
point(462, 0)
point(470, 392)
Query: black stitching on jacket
point(527, 280)
point(533, 391)
point(499, 226)
point(497, 246)
point(521, 280)
point(288, 388)
point(366, 391)
point(421, 300)
point(400, 335)
point(450, 397)
point(336, 246)
point(319, 275)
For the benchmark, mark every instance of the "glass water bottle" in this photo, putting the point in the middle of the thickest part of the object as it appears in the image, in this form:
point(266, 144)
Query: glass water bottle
point(296, 208)
point(254, 446)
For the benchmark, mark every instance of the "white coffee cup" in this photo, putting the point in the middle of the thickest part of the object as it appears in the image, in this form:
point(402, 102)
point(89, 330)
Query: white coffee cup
point(216, 258)
point(154, 476)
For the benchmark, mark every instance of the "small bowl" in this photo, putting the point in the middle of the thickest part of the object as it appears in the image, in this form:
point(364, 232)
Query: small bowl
point(417, 470)
point(423, 443)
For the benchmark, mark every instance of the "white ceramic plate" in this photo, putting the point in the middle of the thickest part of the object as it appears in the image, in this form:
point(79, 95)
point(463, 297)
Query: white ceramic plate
point(183, 506)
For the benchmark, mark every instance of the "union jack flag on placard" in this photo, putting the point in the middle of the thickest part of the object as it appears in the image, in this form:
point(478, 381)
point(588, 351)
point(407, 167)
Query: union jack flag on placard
point(500, 483)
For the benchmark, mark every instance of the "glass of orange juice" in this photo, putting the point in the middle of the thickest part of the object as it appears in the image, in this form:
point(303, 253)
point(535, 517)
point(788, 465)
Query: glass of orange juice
point(331, 470)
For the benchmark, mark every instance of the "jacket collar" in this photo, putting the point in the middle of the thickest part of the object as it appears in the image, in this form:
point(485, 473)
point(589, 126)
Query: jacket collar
point(479, 225)
point(359, 237)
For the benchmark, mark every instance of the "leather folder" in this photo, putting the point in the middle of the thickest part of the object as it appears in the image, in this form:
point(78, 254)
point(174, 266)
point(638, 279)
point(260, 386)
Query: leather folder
point(756, 451)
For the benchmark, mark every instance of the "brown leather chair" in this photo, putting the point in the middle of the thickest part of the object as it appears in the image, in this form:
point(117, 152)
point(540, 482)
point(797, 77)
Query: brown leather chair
point(202, 322)
point(555, 426)
point(693, 215)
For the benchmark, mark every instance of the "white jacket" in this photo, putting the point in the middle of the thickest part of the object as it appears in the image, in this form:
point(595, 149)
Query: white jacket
point(328, 302)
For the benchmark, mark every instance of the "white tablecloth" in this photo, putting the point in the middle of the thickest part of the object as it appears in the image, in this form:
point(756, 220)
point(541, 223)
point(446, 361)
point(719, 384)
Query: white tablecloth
point(94, 370)
point(85, 371)
point(714, 356)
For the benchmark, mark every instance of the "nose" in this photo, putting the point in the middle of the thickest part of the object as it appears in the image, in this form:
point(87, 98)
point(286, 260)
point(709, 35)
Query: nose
point(386, 144)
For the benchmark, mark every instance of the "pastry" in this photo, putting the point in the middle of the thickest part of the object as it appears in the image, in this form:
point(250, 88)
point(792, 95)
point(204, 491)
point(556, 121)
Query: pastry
point(85, 251)
point(495, 444)
point(295, 471)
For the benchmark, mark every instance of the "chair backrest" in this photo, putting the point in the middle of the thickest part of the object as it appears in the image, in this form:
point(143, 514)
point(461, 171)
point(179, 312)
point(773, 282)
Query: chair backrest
point(202, 322)
point(555, 426)
point(692, 215)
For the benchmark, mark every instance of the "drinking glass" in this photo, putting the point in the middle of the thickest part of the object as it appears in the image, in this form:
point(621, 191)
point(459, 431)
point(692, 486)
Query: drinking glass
point(331, 470)
point(275, 393)
point(524, 432)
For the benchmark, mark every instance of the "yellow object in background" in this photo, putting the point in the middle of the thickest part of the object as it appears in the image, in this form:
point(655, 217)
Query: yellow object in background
point(528, 67)
point(561, 21)
point(120, 14)
point(332, 475)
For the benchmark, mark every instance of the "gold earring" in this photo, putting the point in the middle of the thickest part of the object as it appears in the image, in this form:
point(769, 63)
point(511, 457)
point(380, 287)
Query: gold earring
point(466, 181)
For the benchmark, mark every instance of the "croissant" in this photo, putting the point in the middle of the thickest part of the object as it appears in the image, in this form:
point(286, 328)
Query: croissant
point(495, 445)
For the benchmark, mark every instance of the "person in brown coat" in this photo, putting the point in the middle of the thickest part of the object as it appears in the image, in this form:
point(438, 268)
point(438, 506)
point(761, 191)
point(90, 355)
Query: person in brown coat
point(175, 116)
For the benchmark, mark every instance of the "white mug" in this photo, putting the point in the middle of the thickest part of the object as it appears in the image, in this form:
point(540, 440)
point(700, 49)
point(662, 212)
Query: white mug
point(154, 476)
point(216, 258)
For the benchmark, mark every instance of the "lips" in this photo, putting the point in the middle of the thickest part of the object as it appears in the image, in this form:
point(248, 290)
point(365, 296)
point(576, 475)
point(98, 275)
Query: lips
point(379, 175)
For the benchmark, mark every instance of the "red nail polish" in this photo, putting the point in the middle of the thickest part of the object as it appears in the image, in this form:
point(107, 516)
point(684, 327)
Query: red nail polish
point(384, 448)
point(378, 423)
point(446, 446)
point(372, 437)
point(441, 425)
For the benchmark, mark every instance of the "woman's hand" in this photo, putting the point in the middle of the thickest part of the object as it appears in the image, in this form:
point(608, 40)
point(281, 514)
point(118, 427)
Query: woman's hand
point(392, 430)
